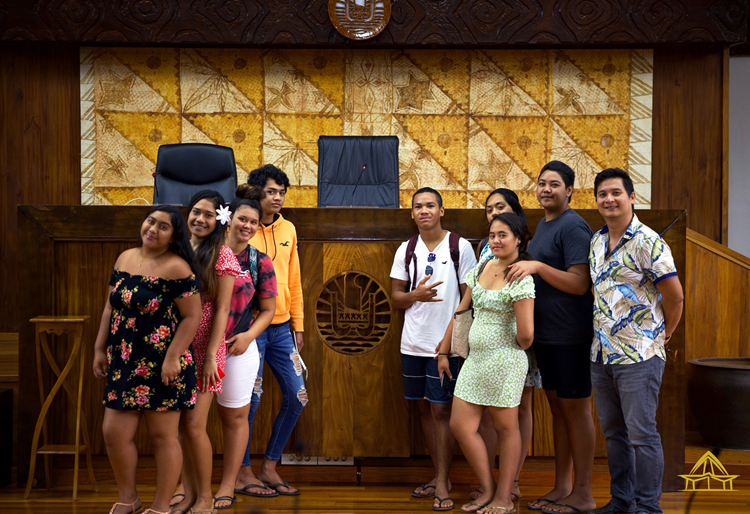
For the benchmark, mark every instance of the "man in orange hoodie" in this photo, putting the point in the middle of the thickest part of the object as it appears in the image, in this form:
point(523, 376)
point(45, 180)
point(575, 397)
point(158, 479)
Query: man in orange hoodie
point(280, 343)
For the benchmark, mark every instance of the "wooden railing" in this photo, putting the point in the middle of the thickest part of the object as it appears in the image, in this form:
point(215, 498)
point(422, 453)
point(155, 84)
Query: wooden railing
point(718, 249)
point(717, 312)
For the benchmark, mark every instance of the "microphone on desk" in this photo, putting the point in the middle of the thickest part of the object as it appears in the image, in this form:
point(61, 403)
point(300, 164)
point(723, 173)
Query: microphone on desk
point(356, 184)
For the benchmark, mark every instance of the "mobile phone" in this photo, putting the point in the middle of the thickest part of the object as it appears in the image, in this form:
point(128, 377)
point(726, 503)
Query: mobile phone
point(445, 383)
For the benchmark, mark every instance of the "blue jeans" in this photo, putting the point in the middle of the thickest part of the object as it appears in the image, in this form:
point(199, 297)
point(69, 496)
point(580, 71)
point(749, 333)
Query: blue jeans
point(276, 347)
point(627, 396)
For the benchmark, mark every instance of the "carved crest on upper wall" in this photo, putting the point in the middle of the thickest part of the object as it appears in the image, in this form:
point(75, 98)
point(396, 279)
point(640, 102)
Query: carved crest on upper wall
point(359, 19)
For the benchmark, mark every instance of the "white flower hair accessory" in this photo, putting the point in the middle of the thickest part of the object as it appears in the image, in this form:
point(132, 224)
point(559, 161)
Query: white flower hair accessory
point(223, 214)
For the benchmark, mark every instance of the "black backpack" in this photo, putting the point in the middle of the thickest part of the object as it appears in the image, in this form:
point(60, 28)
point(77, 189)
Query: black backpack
point(453, 239)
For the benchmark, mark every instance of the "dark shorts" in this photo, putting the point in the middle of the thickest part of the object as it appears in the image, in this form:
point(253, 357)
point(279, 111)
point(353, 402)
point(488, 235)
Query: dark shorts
point(565, 368)
point(421, 381)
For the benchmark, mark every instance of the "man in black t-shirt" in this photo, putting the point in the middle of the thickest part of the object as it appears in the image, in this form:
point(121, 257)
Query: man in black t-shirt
point(563, 329)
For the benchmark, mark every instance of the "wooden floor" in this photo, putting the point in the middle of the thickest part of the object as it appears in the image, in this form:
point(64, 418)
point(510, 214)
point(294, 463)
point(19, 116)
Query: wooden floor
point(334, 489)
point(344, 496)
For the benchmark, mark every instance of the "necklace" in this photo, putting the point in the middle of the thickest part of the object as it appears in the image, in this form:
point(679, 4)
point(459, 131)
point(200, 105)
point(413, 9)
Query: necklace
point(155, 258)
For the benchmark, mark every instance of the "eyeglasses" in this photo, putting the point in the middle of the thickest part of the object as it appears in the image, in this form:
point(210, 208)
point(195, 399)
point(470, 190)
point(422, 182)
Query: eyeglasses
point(274, 192)
point(430, 259)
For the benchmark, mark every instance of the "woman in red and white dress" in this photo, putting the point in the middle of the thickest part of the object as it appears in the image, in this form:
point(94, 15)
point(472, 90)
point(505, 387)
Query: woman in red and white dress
point(207, 223)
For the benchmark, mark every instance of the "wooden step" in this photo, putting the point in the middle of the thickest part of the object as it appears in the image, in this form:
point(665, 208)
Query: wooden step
point(60, 449)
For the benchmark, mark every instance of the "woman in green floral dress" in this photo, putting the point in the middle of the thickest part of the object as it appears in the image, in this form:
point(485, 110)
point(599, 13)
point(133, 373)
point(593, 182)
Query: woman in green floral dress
point(142, 348)
point(494, 373)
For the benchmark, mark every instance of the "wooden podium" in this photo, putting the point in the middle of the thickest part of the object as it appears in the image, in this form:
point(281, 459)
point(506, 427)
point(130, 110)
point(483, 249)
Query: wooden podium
point(352, 332)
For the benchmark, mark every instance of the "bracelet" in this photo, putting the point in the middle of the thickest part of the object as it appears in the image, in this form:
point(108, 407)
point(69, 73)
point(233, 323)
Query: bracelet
point(667, 338)
point(447, 354)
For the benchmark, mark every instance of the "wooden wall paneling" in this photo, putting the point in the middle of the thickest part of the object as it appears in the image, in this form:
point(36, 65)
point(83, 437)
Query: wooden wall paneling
point(380, 411)
point(542, 442)
point(445, 23)
point(729, 308)
point(701, 307)
point(338, 437)
point(307, 436)
point(688, 125)
point(744, 318)
point(39, 145)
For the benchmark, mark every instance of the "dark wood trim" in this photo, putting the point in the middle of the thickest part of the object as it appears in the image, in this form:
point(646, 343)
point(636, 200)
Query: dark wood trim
point(87, 221)
point(444, 23)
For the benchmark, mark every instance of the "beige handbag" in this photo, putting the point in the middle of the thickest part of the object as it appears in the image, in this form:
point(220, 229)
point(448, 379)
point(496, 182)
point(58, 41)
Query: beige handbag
point(462, 321)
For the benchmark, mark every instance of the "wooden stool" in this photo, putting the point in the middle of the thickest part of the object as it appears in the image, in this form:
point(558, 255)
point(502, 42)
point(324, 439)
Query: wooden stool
point(70, 325)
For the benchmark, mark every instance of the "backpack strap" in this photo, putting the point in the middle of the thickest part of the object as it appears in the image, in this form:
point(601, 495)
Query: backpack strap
point(411, 282)
point(254, 253)
point(455, 255)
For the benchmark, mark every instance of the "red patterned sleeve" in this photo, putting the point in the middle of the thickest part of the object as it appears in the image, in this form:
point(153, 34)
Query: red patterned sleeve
point(266, 277)
point(227, 263)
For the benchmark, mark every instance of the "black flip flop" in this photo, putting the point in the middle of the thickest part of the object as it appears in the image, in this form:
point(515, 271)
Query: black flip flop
point(424, 488)
point(546, 500)
point(230, 499)
point(284, 484)
point(245, 491)
point(439, 507)
point(175, 496)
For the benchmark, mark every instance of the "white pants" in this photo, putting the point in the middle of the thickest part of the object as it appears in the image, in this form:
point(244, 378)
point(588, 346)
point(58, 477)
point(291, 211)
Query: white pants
point(239, 382)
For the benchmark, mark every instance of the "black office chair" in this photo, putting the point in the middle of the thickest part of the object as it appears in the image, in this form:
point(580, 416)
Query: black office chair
point(358, 171)
point(184, 169)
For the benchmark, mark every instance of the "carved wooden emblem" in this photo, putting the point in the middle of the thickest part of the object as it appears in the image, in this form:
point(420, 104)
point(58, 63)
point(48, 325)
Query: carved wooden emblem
point(353, 313)
point(359, 19)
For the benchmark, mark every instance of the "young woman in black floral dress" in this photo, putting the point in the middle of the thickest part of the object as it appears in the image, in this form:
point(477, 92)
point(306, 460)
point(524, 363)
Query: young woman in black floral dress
point(142, 348)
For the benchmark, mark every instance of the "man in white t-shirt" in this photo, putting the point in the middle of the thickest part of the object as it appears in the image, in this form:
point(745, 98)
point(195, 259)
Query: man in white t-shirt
point(429, 293)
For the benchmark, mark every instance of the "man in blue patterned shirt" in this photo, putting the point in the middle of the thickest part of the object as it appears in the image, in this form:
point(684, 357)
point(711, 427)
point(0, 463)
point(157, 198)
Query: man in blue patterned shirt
point(637, 305)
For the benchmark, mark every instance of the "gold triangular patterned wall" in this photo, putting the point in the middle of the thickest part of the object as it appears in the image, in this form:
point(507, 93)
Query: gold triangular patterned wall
point(467, 121)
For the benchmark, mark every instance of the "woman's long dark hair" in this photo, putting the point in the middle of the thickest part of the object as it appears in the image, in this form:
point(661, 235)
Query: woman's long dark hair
point(519, 229)
point(250, 196)
point(511, 198)
point(180, 244)
point(207, 252)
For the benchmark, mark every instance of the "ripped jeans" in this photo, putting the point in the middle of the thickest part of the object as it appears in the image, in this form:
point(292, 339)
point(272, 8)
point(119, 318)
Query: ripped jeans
point(276, 347)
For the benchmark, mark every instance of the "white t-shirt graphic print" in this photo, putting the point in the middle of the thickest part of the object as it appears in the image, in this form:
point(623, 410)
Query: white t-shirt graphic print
point(425, 322)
